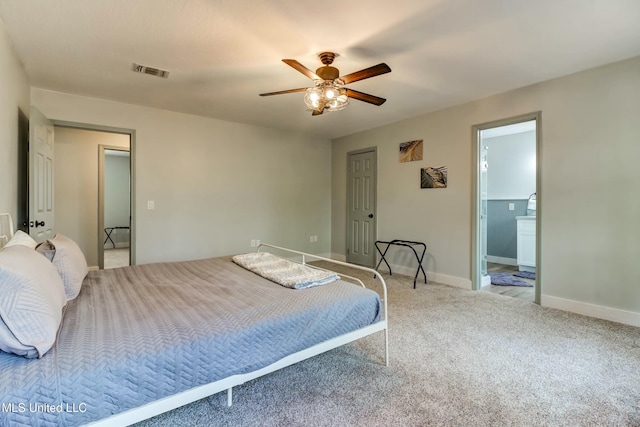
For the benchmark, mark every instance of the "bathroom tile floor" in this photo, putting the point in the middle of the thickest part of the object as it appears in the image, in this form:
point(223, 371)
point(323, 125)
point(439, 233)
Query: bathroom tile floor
point(525, 293)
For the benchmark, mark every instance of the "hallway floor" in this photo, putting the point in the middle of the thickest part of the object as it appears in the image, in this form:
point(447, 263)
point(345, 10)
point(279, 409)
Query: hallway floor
point(116, 257)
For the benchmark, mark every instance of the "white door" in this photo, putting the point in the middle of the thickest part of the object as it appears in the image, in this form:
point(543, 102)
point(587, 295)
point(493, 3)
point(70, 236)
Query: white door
point(361, 221)
point(41, 219)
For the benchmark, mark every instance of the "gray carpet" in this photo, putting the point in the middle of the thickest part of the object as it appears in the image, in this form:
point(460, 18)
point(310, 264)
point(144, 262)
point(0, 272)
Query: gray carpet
point(458, 358)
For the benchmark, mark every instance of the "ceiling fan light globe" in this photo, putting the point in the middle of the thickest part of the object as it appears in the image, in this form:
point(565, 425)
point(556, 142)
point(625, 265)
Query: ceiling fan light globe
point(329, 93)
point(312, 98)
point(338, 103)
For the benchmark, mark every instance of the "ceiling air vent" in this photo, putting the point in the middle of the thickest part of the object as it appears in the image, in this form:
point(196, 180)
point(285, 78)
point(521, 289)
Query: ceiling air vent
point(150, 70)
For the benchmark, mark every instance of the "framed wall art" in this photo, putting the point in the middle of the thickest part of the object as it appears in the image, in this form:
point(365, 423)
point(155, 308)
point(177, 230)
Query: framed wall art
point(411, 151)
point(431, 177)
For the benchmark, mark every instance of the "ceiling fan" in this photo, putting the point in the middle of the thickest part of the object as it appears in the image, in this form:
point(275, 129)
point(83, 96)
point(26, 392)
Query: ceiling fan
point(328, 92)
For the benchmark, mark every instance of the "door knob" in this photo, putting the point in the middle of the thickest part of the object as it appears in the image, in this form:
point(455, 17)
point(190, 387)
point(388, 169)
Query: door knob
point(39, 223)
point(370, 215)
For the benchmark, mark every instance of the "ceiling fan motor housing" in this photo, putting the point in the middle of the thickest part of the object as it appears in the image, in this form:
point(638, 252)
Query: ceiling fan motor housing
point(328, 72)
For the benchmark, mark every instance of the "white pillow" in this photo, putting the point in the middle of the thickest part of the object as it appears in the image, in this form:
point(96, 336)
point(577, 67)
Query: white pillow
point(23, 239)
point(70, 263)
point(47, 250)
point(32, 298)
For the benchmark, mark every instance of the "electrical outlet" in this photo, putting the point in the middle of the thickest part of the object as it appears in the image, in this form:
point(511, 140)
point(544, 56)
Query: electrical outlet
point(253, 243)
point(257, 242)
point(151, 204)
point(310, 239)
point(512, 206)
point(315, 238)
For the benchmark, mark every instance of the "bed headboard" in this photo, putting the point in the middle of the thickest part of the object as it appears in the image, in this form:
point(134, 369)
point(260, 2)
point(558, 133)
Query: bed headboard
point(6, 228)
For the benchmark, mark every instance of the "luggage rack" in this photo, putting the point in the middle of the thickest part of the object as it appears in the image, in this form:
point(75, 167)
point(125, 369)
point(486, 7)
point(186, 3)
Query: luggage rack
point(406, 243)
point(108, 231)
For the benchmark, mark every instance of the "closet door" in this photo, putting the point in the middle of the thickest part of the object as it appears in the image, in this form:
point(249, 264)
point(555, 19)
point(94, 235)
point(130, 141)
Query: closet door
point(361, 217)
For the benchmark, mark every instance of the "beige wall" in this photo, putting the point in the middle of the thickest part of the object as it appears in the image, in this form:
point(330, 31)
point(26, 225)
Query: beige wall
point(216, 185)
point(590, 203)
point(76, 185)
point(14, 96)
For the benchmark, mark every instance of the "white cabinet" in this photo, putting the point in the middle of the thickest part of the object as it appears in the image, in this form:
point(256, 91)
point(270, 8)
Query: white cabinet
point(526, 243)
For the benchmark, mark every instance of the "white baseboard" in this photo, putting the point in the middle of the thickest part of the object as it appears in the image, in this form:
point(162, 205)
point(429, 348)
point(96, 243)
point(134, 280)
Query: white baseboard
point(338, 257)
point(502, 260)
point(485, 281)
point(444, 279)
point(93, 268)
point(592, 310)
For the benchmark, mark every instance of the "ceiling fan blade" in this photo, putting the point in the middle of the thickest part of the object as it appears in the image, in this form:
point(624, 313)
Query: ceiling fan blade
point(302, 89)
point(304, 70)
point(317, 112)
point(376, 70)
point(361, 96)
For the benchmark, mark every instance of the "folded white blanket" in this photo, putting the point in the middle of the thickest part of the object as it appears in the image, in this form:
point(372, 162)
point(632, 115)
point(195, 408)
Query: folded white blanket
point(284, 272)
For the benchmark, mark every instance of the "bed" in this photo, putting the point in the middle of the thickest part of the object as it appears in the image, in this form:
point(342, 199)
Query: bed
point(142, 340)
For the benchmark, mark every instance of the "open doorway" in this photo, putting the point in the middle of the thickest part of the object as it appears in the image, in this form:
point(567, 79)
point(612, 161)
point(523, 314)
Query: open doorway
point(76, 179)
point(505, 219)
point(114, 205)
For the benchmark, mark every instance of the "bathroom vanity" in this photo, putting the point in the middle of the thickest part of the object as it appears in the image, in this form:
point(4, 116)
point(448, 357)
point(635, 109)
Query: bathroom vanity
point(526, 242)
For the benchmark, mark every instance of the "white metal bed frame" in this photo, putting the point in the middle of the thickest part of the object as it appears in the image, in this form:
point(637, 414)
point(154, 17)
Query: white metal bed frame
point(180, 399)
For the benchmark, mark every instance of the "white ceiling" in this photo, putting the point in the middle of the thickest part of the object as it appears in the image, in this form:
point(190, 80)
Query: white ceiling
point(222, 53)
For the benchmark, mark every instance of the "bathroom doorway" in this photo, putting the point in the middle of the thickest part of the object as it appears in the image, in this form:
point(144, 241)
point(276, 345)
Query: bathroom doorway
point(505, 217)
point(114, 209)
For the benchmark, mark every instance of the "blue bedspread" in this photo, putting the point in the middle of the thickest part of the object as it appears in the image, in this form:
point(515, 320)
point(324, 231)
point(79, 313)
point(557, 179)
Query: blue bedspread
point(137, 334)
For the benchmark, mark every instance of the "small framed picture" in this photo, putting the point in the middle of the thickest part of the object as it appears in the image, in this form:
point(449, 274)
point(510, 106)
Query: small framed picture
point(431, 177)
point(411, 151)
